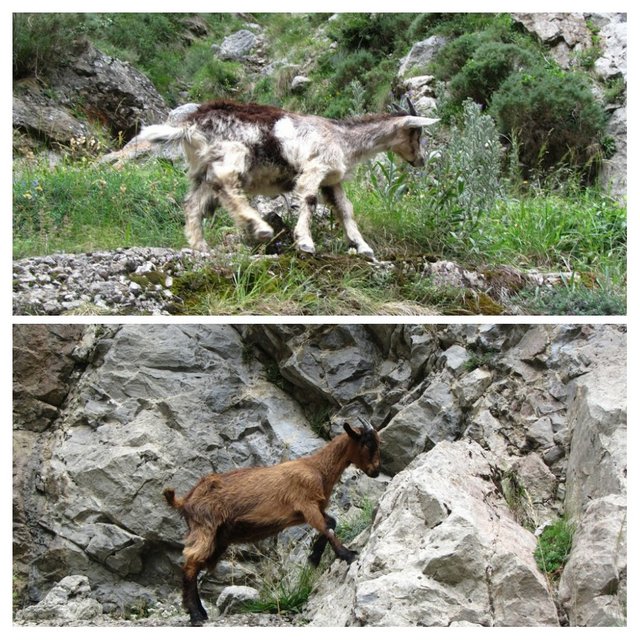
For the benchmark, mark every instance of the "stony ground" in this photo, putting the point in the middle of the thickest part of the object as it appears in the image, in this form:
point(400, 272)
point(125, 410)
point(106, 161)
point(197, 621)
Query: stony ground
point(140, 280)
point(170, 620)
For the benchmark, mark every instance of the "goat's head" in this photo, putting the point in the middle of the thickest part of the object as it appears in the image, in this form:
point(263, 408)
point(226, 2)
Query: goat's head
point(409, 128)
point(366, 447)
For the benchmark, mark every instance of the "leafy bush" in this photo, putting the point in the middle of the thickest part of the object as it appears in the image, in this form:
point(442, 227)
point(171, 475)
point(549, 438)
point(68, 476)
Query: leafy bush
point(473, 158)
point(491, 64)
point(455, 54)
point(380, 33)
point(42, 41)
point(555, 116)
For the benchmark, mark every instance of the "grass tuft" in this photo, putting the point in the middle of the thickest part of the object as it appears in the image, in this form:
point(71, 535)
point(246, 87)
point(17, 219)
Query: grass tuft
point(554, 546)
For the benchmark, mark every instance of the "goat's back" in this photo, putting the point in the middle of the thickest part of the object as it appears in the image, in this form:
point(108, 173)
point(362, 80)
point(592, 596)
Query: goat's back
point(260, 491)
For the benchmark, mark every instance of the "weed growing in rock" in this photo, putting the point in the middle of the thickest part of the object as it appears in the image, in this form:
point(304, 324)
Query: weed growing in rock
point(517, 497)
point(284, 593)
point(352, 528)
point(554, 545)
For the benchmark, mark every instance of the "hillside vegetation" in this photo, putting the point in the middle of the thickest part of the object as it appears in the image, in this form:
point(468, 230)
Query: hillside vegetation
point(509, 185)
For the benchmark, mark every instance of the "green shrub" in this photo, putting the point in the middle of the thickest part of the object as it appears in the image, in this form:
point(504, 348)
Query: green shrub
point(473, 158)
point(555, 117)
point(455, 54)
point(43, 41)
point(380, 33)
point(491, 64)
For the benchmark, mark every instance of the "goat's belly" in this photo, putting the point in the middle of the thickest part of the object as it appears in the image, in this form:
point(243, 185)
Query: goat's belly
point(246, 531)
point(269, 181)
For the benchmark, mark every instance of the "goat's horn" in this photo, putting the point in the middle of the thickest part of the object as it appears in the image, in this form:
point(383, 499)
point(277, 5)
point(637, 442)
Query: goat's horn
point(366, 424)
point(412, 109)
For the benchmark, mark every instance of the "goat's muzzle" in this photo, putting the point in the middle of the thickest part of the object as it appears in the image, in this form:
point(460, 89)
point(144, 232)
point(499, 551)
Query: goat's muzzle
point(418, 162)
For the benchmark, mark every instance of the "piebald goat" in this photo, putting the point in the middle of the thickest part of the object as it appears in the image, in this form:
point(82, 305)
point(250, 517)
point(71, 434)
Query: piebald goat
point(235, 151)
point(246, 505)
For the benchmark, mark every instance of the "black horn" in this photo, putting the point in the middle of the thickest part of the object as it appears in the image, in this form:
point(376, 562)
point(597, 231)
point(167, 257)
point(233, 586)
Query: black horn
point(412, 109)
point(366, 424)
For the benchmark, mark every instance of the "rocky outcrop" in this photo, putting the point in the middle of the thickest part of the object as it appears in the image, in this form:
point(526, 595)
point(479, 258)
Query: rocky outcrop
point(100, 88)
point(488, 432)
point(470, 562)
point(68, 602)
point(420, 55)
point(565, 34)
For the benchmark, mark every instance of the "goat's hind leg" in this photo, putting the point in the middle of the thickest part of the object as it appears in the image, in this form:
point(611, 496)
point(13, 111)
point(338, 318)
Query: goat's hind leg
point(226, 173)
point(200, 203)
point(190, 596)
point(199, 552)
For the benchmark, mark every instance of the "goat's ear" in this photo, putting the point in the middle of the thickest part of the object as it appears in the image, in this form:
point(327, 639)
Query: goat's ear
point(412, 122)
point(351, 432)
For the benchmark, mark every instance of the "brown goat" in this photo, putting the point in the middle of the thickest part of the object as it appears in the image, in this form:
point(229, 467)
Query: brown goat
point(247, 505)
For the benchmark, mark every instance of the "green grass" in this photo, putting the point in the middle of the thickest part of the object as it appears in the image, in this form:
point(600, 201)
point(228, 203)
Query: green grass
point(554, 546)
point(77, 207)
point(347, 531)
point(284, 593)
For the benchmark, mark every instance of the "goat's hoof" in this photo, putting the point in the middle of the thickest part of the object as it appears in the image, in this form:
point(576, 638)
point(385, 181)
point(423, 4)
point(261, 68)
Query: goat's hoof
point(203, 247)
point(196, 622)
point(263, 232)
point(366, 252)
point(350, 556)
point(305, 247)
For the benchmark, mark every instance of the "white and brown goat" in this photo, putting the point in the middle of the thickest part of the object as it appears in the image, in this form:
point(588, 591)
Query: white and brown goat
point(247, 505)
point(236, 151)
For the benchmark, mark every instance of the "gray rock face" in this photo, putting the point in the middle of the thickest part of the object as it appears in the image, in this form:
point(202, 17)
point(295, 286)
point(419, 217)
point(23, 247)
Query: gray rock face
point(470, 561)
point(137, 408)
point(110, 89)
point(238, 45)
point(107, 89)
point(33, 113)
point(69, 601)
point(613, 43)
point(564, 33)
point(421, 54)
point(593, 587)
point(613, 175)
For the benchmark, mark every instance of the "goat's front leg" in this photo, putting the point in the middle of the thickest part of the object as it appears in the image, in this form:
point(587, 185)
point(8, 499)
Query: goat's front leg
point(337, 199)
point(314, 517)
point(321, 541)
point(305, 199)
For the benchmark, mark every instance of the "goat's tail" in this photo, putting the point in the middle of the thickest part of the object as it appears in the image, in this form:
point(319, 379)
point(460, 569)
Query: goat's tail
point(172, 501)
point(164, 133)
